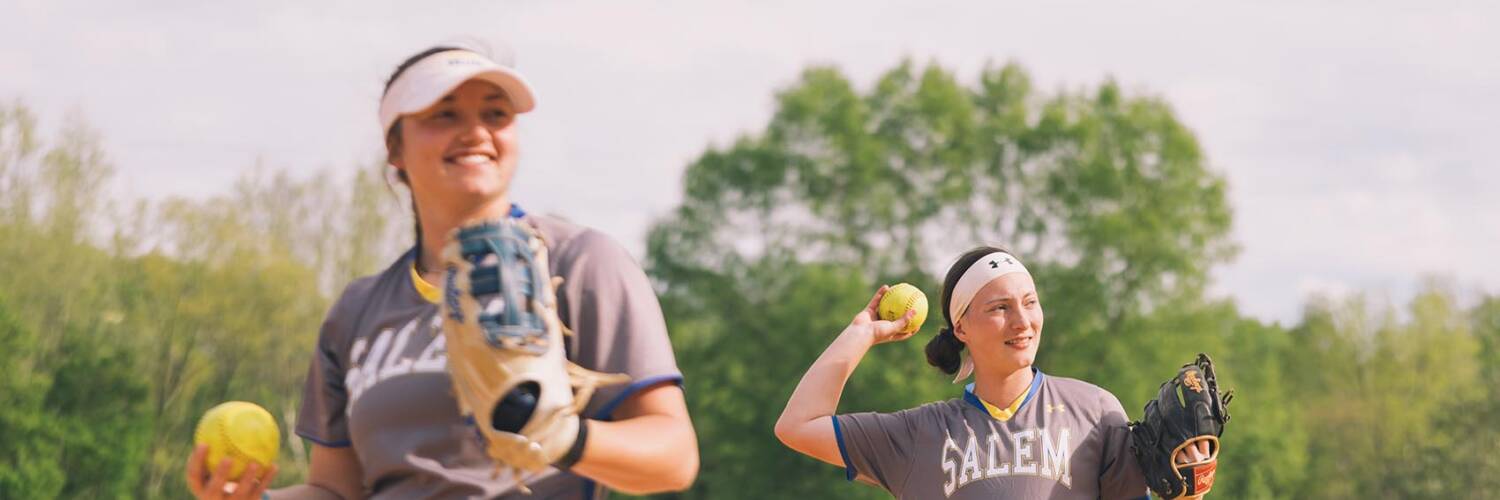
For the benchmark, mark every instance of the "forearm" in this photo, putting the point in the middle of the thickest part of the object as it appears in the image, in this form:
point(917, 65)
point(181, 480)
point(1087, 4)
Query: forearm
point(805, 425)
point(641, 455)
point(817, 394)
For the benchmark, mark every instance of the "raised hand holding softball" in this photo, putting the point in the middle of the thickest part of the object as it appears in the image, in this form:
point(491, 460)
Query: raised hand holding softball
point(871, 320)
point(901, 298)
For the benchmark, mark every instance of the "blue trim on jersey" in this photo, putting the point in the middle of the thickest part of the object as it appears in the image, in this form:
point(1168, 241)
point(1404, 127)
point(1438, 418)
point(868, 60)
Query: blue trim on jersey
point(838, 435)
point(606, 413)
point(516, 212)
point(329, 444)
point(1036, 384)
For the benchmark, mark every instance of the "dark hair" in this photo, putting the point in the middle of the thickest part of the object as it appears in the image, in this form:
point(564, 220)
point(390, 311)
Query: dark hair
point(943, 350)
point(393, 140)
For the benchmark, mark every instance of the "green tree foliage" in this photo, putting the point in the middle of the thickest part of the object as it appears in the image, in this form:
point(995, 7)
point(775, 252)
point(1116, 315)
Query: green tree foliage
point(101, 416)
point(1391, 400)
point(29, 465)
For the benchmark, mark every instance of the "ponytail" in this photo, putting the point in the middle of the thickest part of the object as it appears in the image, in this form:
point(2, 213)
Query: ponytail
point(943, 351)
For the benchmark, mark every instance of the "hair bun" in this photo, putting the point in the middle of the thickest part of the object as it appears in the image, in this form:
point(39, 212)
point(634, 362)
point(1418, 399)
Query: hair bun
point(943, 351)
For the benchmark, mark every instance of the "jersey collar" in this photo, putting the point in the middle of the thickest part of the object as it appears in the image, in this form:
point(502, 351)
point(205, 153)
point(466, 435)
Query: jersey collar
point(1004, 414)
point(431, 292)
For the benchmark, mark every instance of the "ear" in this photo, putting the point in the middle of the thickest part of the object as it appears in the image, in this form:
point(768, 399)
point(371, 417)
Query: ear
point(958, 332)
point(393, 146)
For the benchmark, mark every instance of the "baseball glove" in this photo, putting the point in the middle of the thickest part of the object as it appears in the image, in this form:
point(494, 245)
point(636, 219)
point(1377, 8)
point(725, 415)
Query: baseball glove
point(1186, 410)
point(505, 348)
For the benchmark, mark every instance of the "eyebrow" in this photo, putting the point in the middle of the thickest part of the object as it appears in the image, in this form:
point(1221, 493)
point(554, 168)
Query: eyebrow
point(491, 97)
point(1003, 299)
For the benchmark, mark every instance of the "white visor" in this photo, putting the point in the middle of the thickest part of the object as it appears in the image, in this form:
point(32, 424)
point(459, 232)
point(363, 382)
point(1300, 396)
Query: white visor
point(427, 81)
point(979, 274)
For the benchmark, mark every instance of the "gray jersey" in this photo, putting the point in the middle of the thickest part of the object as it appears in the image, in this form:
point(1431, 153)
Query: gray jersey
point(1067, 440)
point(379, 381)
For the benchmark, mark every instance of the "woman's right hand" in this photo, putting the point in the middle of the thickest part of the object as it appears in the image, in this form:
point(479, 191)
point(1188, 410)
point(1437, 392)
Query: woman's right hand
point(216, 484)
point(867, 322)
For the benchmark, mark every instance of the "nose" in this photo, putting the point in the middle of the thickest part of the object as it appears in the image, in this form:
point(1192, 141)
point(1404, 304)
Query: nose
point(474, 132)
point(1021, 321)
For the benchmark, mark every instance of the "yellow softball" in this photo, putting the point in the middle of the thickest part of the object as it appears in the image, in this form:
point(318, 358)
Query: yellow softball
point(898, 300)
point(240, 431)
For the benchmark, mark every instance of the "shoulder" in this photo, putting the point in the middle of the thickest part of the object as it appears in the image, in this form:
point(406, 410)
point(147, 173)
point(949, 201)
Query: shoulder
point(1096, 402)
point(931, 415)
point(571, 246)
point(358, 294)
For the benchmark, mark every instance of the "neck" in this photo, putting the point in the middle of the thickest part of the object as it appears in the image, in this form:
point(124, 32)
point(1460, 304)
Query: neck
point(437, 223)
point(1002, 388)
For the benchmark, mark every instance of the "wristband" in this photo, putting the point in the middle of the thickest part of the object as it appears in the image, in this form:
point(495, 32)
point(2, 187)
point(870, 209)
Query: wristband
point(575, 453)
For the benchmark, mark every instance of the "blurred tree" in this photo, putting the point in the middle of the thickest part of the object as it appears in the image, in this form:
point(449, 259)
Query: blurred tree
point(1472, 468)
point(99, 407)
point(29, 449)
point(18, 147)
point(1375, 386)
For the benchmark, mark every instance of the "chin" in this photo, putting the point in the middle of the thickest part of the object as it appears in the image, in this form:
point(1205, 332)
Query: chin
point(1025, 360)
point(481, 188)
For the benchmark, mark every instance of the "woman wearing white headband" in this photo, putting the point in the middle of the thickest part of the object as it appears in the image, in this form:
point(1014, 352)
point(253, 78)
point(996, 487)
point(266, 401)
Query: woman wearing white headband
point(378, 404)
point(1013, 433)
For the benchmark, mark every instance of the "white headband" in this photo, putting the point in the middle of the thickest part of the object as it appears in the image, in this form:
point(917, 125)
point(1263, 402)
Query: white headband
point(434, 76)
point(979, 274)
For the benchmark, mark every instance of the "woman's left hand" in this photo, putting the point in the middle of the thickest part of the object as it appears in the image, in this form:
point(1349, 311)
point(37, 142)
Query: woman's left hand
point(1194, 453)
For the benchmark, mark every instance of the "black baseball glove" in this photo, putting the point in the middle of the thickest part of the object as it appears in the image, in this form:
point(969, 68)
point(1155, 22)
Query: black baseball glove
point(1186, 410)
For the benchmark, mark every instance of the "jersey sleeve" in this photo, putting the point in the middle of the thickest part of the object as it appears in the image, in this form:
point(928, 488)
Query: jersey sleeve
point(1119, 475)
point(877, 447)
point(608, 302)
point(323, 418)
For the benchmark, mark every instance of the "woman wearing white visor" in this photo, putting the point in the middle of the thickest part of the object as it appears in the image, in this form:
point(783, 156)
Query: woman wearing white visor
point(1012, 433)
point(378, 406)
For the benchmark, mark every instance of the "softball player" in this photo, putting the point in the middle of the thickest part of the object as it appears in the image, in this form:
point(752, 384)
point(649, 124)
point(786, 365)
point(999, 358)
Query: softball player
point(1013, 433)
point(378, 404)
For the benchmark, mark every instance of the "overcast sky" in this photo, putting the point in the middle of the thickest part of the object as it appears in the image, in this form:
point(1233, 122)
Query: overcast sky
point(1359, 139)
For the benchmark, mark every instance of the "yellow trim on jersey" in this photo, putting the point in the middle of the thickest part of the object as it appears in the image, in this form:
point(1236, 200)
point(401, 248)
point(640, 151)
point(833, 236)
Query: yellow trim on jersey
point(427, 290)
point(1004, 414)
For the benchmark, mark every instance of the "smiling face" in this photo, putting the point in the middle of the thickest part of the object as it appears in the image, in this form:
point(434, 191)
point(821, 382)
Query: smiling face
point(1003, 324)
point(460, 152)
